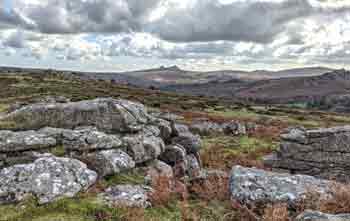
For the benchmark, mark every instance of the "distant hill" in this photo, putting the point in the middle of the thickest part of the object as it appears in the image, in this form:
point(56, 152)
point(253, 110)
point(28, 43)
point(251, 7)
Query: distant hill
point(228, 83)
point(285, 90)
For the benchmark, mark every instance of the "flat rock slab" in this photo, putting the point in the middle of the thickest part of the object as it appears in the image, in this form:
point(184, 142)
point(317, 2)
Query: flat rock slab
point(323, 153)
point(48, 179)
point(249, 185)
point(318, 216)
point(127, 195)
point(26, 140)
point(83, 138)
point(106, 114)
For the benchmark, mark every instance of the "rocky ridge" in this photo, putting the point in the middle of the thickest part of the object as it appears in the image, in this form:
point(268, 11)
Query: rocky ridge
point(90, 139)
point(324, 153)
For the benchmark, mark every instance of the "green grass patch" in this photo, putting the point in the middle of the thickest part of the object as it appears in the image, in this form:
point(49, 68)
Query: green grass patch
point(87, 209)
point(58, 151)
point(135, 177)
point(223, 152)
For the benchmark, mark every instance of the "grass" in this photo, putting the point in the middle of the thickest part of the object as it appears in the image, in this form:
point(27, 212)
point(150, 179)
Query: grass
point(225, 151)
point(89, 209)
point(58, 151)
point(134, 177)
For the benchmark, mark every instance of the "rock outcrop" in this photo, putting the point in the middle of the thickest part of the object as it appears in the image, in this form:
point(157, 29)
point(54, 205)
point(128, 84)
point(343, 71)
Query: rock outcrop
point(207, 127)
point(324, 153)
point(59, 149)
point(106, 114)
point(48, 178)
point(318, 216)
point(249, 185)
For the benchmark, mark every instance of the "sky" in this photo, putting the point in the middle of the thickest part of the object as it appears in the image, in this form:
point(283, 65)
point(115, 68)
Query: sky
point(204, 35)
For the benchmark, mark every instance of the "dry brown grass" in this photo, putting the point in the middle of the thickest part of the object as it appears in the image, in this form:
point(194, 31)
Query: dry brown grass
point(278, 212)
point(339, 203)
point(167, 189)
point(214, 186)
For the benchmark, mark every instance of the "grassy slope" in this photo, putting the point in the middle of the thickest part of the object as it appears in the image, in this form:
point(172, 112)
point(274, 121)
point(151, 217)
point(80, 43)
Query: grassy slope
point(218, 152)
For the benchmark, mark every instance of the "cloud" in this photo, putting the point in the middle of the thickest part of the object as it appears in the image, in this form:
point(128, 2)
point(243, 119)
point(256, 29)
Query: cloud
point(15, 40)
point(79, 16)
point(250, 21)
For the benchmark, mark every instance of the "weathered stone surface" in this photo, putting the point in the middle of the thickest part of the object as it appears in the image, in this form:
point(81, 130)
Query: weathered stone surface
point(173, 154)
point(318, 216)
point(192, 143)
point(27, 140)
point(83, 138)
point(127, 195)
point(164, 127)
point(179, 129)
point(106, 114)
point(142, 147)
point(249, 185)
point(324, 153)
point(193, 165)
point(109, 162)
point(48, 178)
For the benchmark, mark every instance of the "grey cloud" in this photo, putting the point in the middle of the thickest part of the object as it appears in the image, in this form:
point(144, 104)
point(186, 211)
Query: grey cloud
point(250, 21)
point(80, 16)
point(15, 40)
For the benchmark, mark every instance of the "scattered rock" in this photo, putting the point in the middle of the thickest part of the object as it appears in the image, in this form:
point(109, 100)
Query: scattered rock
point(109, 162)
point(234, 128)
point(48, 178)
point(324, 153)
point(127, 195)
point(249, 185)
point(206, 128)
point(318, 216)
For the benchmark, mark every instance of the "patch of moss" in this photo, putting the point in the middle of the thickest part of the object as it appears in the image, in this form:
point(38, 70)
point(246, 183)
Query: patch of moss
point(8, 125)
point(134, 177)
point(58, 151)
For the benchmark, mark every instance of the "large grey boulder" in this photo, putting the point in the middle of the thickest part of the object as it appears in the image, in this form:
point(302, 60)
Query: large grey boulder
point(106, 114)
point(143, 147)
point(49, 178)
point(324, 153)
point(27, 140)
point(318, 216)
point(127, 196)
point(109, 162)
point(249, 185)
